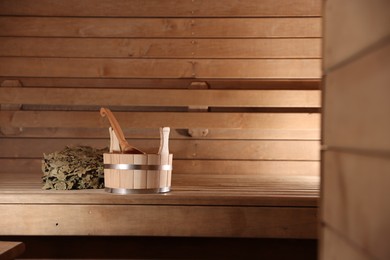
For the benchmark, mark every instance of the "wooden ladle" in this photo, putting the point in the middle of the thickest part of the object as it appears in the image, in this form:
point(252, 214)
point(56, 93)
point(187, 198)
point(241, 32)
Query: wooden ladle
point(125, 146)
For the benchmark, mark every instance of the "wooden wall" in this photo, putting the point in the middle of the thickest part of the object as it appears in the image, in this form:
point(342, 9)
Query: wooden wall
point(237, 81)
point(356, 131)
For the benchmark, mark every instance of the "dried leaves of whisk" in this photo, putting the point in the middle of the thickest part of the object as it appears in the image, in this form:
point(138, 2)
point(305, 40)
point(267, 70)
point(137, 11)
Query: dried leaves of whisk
point(73, 168)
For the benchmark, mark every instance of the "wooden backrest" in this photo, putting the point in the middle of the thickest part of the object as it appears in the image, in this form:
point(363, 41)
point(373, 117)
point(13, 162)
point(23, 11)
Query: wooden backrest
point(238, 82)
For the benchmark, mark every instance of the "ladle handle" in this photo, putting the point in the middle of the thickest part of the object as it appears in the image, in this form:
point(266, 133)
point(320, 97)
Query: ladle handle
point(125, 146)
point(164, 139)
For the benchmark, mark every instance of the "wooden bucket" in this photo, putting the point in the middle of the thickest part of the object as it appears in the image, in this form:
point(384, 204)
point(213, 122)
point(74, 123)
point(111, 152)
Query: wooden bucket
point(137, 173)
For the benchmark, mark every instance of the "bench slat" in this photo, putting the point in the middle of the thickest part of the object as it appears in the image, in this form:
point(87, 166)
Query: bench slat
point(183, 149)
point(139, 120)
point(159, 97)
point(200, 167)
point(160, 48)
point(161, 28)
point(161, 68)
point(152, 8)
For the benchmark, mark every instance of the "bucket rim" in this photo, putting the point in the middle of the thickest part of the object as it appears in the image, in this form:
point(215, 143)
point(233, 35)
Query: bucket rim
point(124, 191)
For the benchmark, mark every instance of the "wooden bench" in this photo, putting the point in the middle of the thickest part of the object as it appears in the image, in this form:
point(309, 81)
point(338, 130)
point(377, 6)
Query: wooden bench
point(239, 85)
point(246, 187)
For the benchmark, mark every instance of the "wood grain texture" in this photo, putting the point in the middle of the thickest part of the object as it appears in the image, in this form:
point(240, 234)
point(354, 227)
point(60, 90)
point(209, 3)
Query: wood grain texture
point(357, 98)
point(291, 84)
point(255, 174)
point(191, 149)
point(351, 28)
point(138, 120)
point(178, 133)
point(164, 28)
point(244, 167)
point(356, 162)
point(225, 190)
point(354, 201)
point(286, 207)
point(152, 8)
point(203, 205)
point(161, 220)
point(160, 68)
point(160, 48)
point(156, 97)
point(200, 167)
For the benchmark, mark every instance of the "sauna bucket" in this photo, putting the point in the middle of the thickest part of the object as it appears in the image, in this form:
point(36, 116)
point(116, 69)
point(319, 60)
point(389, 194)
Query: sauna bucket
point(137, 173)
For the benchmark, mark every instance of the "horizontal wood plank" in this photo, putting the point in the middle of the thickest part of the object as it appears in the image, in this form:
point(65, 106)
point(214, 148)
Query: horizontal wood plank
point(157, 97)
point(357, 98)
point(306, 185)
point(190, 149)
point(160, 68)
point(176, 133)
point(152, 8)
point(187, 196)
point(210, 190)
point(354, 204)
point(181, 196)
point(180, 120)
point(267, 68)
point(195, 187)
point(292, 84)
point(351, 28)
point(100, 68)
point(242, 167)
point(201, 167)
point(160, 48)
point(164, 28)
point(158, 221)
point(19, 193)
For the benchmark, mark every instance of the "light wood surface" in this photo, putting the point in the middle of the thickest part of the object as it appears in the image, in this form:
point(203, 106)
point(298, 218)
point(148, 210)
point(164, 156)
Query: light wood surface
point(238, 133)
point(367, 23)
point(187, 189)
point(255, 171)
point(273, 122)
point(182, 149)
point(188, 166)
point(344, 107)
point(160, 68)
point(152, 8)
point(341, 248)
point(356, 162)
point(360, 216)
point(194, 205)
point(157, 97)
point(194, 221)
point(164, 28)
point(160, 48)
